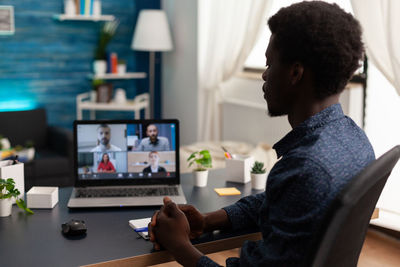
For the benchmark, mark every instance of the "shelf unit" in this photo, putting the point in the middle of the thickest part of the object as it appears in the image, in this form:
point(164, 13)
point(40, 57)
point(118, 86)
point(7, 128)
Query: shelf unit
point(140, 102)
point(116, 76)
point(62, 17)
point(83, 101)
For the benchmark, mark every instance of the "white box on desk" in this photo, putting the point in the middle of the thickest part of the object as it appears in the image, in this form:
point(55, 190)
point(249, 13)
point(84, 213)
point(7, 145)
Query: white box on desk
point(42, 197)
point(238, 168)
point(16, 172)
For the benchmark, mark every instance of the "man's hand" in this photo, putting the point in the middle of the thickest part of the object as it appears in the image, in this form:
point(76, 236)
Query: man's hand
point(171, 229)
point(195, 219)
point(153, 223)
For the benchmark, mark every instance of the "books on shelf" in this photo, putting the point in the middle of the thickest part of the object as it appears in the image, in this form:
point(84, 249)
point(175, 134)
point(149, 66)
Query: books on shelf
point(82, 7)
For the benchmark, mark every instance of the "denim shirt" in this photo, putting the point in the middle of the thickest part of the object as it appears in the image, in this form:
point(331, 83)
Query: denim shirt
point(317, 158)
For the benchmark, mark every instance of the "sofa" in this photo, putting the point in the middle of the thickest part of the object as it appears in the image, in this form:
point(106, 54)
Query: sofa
point(53, 161)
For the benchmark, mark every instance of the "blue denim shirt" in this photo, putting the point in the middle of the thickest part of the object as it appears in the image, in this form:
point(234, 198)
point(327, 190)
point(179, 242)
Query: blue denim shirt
point(317, 158)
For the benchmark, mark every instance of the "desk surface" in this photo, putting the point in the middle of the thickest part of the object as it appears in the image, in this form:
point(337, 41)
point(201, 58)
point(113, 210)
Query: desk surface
point(36, 240)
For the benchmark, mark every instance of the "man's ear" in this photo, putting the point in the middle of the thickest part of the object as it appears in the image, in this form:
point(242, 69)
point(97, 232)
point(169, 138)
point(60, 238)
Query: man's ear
point(296, 73)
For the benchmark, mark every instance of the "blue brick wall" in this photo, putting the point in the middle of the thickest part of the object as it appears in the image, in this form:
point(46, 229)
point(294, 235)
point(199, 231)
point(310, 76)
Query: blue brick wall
point(46, 62)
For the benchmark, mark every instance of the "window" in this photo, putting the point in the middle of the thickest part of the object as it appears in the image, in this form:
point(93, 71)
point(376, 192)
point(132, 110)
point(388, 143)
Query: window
point(256, 59)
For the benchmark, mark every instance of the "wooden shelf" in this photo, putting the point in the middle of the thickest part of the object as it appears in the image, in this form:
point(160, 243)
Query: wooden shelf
point(115, 76)
point(62, 17)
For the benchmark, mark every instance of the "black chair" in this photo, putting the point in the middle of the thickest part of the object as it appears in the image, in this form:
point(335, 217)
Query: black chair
point(53, 162)
point(343, 230)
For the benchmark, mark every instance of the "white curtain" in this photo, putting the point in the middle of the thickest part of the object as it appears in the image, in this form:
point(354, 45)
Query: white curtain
point(380, 21)
point(228, 30)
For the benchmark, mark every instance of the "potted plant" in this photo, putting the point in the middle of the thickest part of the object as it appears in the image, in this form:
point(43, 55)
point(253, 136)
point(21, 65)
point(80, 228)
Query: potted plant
point(203, 160)
point(25, 153)
point(258, 176)
point(106, 34)
point(7, 192)
point(95, 84)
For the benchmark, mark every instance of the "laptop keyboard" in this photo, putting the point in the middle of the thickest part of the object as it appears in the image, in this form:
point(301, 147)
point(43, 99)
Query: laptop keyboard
point(126, 192)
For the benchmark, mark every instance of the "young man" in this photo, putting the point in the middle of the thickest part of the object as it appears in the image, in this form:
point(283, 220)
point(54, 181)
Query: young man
point(314, 49)
point(153, 142)
point(103, 140)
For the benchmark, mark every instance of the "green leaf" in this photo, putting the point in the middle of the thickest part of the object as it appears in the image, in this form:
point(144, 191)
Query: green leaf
point(22, 205)
point(192, 156)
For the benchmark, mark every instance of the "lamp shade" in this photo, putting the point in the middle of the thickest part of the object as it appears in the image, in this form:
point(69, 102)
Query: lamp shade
point(152, 31)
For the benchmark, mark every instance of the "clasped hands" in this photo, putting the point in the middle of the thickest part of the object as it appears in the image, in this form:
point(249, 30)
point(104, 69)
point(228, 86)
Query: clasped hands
point(173, 226)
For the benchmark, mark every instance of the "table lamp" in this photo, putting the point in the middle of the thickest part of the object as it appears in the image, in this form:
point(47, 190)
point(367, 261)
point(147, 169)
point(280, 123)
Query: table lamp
point(152, 34)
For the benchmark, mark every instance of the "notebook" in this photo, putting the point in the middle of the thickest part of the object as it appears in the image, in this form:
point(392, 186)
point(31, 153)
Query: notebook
point(126, 163)
point(141, 223)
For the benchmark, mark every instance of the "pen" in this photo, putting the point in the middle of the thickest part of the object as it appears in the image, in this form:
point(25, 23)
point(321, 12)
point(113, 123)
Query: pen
point(227, 154)
point(141, 229)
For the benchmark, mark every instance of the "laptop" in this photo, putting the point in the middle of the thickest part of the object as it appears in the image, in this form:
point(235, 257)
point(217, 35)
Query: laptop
point(126, 163)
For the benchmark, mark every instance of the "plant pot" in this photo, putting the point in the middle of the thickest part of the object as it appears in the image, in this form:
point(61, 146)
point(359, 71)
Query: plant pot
point(99, 67)
point(200, 178)
point(259, 181)
point(5, 207)
point(26, 155)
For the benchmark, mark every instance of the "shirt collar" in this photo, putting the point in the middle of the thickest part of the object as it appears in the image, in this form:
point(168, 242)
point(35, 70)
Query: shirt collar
point(311, 124)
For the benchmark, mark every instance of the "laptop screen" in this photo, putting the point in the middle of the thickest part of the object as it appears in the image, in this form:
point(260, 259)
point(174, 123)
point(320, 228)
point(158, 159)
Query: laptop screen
point(126, 152)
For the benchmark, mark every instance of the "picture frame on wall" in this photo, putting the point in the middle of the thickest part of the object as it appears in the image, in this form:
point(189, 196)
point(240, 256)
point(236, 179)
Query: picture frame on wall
point(7, 26)
point(104, 93)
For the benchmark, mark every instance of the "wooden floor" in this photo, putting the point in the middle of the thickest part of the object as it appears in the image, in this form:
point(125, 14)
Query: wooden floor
point(379, 250)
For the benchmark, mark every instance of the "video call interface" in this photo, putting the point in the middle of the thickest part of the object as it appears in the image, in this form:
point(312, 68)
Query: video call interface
point(126, 151)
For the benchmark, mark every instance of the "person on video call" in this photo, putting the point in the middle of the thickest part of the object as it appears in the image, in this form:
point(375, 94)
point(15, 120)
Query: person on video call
point(103, 140)
point(154, 159)
point(314, 49)
point(153, 142)
point(105, 164)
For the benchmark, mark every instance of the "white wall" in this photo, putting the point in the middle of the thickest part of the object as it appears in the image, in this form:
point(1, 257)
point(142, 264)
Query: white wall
point(179, 75)
point(245, 112)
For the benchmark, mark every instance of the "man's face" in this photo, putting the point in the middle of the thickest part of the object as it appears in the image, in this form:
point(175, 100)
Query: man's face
point(152, 132)
point(104, 135)
point(154, 158)
point(276, 86)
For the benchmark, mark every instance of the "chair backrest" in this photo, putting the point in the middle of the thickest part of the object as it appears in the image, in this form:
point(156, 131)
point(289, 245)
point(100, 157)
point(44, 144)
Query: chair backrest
point(21, 126)
point(342, 233)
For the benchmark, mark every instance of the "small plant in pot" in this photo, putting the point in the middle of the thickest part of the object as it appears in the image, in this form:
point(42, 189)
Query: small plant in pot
point(106, 34)
point(25, 153)
point(258, 176)
point(203, 161)
point(7, 193)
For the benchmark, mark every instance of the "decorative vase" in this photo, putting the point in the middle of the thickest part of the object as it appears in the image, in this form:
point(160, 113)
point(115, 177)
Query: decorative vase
point(121, 69)
point(5, 207)
point(69, 7)
point(30, 153)
point(120, 96)
point(99, 67)
point(259, 181)
point(5, 143)
point(200, 178)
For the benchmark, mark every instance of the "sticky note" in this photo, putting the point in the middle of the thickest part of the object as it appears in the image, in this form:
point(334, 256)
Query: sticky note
point(227, 191)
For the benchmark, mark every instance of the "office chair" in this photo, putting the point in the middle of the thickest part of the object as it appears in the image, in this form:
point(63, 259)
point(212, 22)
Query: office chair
point(342, 233)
